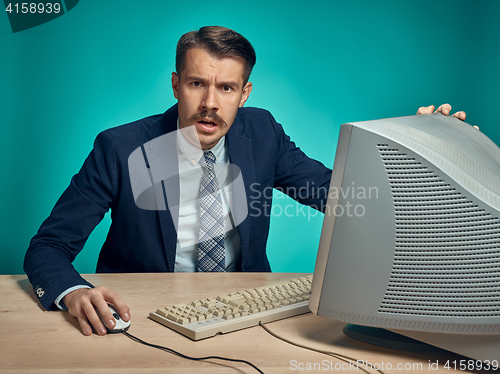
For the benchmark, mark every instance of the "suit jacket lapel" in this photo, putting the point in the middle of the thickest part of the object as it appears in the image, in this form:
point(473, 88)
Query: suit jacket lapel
point(240, 154)
point(163, 162)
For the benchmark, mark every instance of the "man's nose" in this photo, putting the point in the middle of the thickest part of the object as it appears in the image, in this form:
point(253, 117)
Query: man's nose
point(210, 101)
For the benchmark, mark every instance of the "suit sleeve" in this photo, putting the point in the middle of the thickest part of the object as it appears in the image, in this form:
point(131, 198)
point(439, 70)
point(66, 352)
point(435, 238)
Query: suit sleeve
point(300, 177)
point(48, 260)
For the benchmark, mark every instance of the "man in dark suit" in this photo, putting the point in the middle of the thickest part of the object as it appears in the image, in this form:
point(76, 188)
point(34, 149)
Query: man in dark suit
point(148, 173)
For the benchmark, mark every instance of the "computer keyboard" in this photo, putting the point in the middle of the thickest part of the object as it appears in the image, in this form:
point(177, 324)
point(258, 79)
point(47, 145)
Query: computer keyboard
point(205, 318)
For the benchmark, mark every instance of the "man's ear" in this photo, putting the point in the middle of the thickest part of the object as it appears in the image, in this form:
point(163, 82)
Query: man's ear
point(175, 84)
point(246, 92)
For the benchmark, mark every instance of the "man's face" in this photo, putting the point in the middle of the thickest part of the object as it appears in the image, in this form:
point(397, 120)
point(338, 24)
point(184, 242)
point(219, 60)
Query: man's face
point(209, 92)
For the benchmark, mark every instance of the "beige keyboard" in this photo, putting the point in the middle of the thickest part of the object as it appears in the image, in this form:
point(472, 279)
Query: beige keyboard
point(238, 310)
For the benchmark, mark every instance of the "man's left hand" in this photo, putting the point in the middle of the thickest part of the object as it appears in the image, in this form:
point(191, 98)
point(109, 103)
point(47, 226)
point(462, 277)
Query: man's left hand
point(443, 109)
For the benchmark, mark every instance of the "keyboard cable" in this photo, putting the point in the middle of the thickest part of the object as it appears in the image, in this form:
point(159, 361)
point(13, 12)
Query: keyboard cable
point(169, 350)
point(338, 356)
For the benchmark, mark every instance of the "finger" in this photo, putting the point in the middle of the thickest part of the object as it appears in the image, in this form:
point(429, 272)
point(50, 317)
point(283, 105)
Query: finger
point(103, 308)
point(94, 319)
point(425, 109)
point(460, 115)
point(117, 302)
point(84, 325)
point(476, 127)
point(444, 109)
point(120, 307)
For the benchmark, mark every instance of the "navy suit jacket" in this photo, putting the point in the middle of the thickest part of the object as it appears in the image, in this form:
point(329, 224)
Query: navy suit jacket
point(142, 240)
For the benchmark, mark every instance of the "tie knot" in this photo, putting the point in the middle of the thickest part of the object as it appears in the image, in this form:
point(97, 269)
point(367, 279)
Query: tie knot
point(208, 159)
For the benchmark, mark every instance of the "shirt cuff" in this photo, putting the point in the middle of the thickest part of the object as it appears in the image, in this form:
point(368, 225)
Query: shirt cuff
point(58, 302)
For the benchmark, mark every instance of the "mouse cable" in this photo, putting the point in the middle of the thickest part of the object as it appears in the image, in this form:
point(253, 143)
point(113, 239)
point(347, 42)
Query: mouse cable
point(338, 356)
point(169, 350)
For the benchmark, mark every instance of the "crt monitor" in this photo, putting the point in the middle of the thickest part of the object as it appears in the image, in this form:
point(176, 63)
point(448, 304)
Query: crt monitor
point(411, 234)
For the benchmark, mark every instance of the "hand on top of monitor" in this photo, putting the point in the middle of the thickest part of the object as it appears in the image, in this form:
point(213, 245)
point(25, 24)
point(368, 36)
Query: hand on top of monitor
point(443, 109)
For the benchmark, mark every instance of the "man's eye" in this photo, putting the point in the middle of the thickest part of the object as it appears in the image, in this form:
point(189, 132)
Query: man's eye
point(226, 88)
point(196, 84)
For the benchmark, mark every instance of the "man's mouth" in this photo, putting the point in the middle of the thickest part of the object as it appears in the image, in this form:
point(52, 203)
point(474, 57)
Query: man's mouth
point(207, 122)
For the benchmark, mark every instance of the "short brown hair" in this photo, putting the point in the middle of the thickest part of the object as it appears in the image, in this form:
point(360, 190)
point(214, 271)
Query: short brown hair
point(219, 41)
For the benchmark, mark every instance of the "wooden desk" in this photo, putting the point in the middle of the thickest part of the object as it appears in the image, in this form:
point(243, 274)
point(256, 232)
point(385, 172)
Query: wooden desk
point(33, 341)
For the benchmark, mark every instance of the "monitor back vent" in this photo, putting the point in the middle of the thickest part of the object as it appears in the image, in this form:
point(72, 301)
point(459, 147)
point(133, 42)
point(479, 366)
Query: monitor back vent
point(447, 255)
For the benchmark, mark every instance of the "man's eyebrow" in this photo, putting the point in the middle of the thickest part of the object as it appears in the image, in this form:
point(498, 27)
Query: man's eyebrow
point(194, 78)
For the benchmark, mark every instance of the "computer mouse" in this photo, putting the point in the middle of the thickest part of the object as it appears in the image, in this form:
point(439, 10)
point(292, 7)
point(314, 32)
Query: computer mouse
point(120, 325)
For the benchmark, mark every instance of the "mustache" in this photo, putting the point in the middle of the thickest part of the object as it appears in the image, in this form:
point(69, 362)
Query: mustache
point(209, 116)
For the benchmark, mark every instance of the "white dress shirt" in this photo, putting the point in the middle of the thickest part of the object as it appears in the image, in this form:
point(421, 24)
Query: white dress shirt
point(190, 174)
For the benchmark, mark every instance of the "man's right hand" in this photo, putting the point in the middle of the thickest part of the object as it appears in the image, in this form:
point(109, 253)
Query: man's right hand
point(83, 303)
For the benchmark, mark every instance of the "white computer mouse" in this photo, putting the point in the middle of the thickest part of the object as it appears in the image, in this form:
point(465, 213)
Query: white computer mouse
point(120, 324)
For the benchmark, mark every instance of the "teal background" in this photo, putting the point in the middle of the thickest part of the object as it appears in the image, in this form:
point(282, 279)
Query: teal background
point(319, 64)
